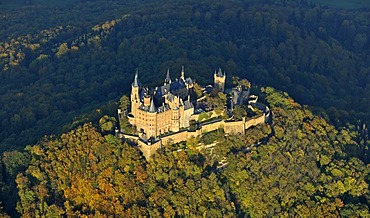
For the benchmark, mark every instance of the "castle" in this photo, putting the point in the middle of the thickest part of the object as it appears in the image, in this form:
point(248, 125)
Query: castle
point(167, 108)
point(162, 115)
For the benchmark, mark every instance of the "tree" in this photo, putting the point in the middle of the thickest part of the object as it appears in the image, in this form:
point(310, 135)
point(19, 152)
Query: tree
point(124, 103)
point(83, 168)
point(62, 50)
point(198, 90)
point(216, 101)
point(15, 162)
point(107, 123)
point(239, 112)
point(244, 83)
point(193, 125)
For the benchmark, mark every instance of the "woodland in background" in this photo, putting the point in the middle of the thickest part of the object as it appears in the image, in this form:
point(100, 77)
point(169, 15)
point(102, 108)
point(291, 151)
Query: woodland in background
point(58, 69)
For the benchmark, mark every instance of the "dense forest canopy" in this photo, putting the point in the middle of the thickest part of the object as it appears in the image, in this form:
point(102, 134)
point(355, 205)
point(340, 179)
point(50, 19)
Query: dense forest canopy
point(300, 168)
point(61, 67)
point(64, 65)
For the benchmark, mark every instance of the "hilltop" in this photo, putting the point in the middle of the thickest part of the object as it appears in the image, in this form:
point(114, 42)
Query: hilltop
point(297, 166)
point(63, 67)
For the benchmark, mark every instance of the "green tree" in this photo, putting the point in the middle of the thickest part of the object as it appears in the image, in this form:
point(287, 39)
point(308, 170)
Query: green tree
point(198, 90)
point(193, 125)
point(124, 102)
point(15, 162)
point(244, 83)
point(107, 123)
point(239, 112)
point(62, 50)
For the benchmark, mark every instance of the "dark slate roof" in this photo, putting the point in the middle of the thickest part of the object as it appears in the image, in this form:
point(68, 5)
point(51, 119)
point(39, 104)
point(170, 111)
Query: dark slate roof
point(189, 80)
point(170, 96)
point(178, 84)
point(163, 108)
point(188, 105)
point(163, 89)
point(144, 92)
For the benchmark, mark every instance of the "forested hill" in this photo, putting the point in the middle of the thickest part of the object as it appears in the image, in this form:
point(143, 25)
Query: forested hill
point(58, 63)
point(302, 168)
point(62, 66)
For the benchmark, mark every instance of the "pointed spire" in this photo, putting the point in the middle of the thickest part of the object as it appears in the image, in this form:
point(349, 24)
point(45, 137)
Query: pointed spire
point(136, 82)
point(152, 108)
point(168, 78)
point(182, 73)
point(220, 72)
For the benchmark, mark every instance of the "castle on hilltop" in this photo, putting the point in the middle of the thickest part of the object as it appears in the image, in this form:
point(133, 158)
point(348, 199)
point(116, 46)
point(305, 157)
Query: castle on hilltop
point(167, 114)
point(167, 108)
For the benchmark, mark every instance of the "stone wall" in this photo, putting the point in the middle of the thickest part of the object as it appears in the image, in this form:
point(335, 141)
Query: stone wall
point(211, 127)
point(229, 127)
point(176, 138)
point(255, 121)
point(148, 149)
point(234, 127)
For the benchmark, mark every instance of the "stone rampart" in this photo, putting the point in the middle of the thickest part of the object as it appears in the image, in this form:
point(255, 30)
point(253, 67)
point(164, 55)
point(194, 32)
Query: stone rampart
point(211, 127)
point(148, 149)
point(175, 138)
point(131, 137)
point(255, 121)
point(233, 127)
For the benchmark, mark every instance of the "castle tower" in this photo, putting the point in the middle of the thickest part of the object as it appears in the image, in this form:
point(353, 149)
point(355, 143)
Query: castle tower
point(147, 100)
point(151, 128)
point(135, 97)
point(219, 80)
point(175, 123)
point(168, 78)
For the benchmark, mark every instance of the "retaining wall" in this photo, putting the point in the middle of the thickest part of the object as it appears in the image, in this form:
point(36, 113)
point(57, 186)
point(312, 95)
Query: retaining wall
point(229, 127)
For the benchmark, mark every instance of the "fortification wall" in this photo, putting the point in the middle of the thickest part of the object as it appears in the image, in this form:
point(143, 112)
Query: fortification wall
point(175, 138)
point(148, 149)
point(234, 127)
point(211, 127)
point(194, 117)
point(255, 121)
point(229, 127)
point(131, 137)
